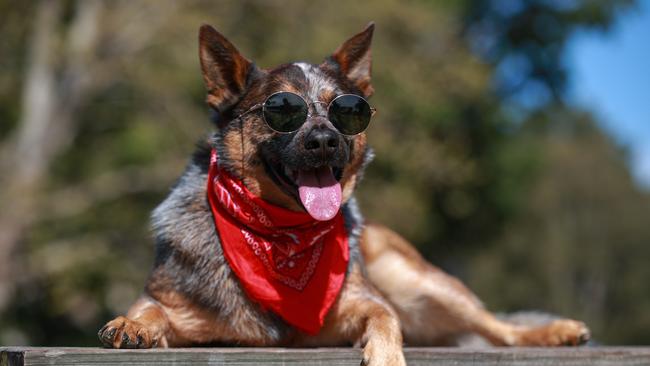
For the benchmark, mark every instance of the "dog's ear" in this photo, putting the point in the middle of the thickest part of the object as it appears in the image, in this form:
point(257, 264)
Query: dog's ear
point(225, 70)
point(353, 60)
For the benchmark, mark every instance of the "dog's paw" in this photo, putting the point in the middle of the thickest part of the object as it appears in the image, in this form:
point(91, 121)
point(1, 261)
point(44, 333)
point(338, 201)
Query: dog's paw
point(568, 333)
point(564, 332)
point(122, 332)
point(379, 353)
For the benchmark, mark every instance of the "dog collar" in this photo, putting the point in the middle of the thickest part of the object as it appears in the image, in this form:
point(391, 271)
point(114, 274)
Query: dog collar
point(286, 261)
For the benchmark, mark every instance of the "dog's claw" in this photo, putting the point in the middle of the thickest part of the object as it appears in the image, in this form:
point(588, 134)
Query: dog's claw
point(563, 332)
point(106, 336)
point(126, 341)
point(126, 333)
point(102, 330)
point(584, 337)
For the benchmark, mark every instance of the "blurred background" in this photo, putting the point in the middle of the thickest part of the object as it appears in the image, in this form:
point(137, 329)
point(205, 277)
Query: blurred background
point(513, 146)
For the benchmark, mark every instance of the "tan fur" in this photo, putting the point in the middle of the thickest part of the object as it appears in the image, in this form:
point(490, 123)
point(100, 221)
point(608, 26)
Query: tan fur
point(412, 298)
point(435, 308)
point(145, 326)
point(191, 324)
point(175, 321)
point(361, 313)
point(242, 141)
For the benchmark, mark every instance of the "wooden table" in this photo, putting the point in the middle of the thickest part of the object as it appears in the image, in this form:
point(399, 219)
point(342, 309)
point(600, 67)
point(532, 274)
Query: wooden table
point(323, 356)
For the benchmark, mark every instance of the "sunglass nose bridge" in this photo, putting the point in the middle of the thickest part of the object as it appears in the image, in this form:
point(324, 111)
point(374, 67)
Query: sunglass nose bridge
point(314, 110)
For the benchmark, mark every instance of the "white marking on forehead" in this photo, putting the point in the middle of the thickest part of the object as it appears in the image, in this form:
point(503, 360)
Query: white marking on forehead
point(317, 82)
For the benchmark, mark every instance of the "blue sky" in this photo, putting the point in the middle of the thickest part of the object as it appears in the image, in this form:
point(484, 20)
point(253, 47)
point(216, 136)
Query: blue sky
point(610, 75)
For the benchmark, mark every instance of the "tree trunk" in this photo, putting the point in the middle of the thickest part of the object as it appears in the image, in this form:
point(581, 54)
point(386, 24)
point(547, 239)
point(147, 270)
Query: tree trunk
point(46, 126)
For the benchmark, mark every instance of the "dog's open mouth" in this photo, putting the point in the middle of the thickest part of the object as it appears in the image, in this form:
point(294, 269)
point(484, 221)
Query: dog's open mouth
point(317, 189)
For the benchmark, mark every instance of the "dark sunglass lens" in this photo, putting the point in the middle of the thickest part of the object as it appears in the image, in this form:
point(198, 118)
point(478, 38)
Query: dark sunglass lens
point(350, 114)
point(285, 112)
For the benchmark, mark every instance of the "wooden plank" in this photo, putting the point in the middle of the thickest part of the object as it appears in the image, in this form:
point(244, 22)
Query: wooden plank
point(188, 356)
point(599, 356)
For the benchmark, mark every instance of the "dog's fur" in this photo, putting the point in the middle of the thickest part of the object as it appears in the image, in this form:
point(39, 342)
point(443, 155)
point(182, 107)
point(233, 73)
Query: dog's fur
point(390, 294)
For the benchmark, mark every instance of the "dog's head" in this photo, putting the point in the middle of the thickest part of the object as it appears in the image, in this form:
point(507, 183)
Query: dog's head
point(313, 168)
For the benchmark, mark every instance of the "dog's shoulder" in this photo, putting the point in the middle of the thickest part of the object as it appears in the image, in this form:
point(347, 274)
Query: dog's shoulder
point(183, 220)
point(189, 258)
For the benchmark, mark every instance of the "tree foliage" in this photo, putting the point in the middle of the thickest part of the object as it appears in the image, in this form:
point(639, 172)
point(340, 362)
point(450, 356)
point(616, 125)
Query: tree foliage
point(101, 103)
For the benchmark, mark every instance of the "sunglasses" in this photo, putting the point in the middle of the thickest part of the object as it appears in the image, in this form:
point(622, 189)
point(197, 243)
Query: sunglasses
point(286, 112)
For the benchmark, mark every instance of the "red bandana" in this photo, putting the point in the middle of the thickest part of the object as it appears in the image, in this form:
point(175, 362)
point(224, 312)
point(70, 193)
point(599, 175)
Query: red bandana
point(287, 261)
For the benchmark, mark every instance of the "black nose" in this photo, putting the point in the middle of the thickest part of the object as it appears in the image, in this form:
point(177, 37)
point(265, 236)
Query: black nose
point(323, 139)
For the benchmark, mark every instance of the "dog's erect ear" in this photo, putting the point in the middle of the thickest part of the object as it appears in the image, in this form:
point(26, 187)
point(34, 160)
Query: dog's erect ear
point(225, 70)
point(353, 60)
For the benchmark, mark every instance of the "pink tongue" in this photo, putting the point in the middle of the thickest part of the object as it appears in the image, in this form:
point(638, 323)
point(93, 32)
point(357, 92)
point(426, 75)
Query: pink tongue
point(320, 193)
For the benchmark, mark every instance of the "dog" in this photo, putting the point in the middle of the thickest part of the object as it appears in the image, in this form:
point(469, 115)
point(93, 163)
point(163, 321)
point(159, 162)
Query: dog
point(261, 243)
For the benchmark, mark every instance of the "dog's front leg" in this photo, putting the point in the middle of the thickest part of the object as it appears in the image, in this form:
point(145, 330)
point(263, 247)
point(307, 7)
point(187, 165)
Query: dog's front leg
point(145, 326)
point(381, 335)
point(362, 317)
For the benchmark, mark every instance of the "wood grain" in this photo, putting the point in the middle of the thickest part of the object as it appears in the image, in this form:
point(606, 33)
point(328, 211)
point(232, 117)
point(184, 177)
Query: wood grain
point(19, 356)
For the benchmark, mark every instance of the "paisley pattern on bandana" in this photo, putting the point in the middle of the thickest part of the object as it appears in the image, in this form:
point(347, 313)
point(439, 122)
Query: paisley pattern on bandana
point(286, 261)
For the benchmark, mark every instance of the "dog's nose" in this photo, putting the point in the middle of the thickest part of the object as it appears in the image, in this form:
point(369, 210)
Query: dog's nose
point(323, 139)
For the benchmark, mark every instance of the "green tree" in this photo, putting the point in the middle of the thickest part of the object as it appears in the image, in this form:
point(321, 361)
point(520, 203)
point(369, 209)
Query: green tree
point(101, 103)
point(579, 245)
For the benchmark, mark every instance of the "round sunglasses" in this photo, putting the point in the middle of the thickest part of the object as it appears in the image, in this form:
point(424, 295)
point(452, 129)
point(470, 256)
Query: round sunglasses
point(286, 112)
